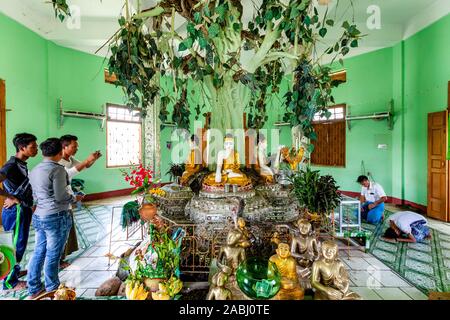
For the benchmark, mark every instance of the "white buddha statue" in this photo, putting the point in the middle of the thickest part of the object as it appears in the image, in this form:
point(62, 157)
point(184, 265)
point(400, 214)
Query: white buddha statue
point(228, 167)
point(261, 166)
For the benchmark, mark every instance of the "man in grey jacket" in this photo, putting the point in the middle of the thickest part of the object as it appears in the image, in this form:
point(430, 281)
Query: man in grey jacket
point(51, 219)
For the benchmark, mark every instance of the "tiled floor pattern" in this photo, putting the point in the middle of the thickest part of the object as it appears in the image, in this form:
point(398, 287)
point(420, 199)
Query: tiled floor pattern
point(90, 224)
point(370, 277)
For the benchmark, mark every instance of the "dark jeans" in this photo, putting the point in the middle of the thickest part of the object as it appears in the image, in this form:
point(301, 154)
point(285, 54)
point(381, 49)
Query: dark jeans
point(51, 235)
point(9, 224)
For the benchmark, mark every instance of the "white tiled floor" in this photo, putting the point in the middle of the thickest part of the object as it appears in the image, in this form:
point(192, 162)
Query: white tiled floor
point(369, 277)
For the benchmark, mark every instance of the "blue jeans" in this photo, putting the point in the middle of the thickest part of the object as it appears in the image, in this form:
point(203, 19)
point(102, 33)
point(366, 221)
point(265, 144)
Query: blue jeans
point(51, 236)
point(9, 224)
point(374, 215)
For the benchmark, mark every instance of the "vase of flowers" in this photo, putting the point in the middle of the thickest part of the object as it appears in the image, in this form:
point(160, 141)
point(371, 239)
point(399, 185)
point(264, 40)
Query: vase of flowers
point(141, 179)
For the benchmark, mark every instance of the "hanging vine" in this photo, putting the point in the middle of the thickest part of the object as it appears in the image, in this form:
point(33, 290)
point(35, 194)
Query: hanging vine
point(210, 54)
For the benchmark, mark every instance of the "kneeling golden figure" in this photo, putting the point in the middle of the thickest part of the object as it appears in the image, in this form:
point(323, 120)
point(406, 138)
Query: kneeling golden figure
point(218, 291)
point(231, 254)
point(329, 277)
point(287, 266)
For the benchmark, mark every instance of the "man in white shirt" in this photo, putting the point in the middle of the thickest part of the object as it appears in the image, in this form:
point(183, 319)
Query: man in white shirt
point(408, 223)
point(372, 199)
point(73, 167)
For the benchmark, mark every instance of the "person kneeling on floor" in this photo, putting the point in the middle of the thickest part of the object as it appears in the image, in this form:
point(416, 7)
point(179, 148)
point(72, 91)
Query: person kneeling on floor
point(372, 200)
point(407, 226)
point(51, 220)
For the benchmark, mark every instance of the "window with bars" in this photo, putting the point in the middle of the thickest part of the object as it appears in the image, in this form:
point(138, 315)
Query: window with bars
point(329, 148)
point(123, 137)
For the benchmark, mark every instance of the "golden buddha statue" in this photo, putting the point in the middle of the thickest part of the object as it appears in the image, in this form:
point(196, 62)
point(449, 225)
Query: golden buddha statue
point(232, 254)
point(193, 162)
point(218, 291)
point(304, 247)
point(244, 242)
point(287, 266)
point(261, 165)
point(228, 167)
point(329, 277)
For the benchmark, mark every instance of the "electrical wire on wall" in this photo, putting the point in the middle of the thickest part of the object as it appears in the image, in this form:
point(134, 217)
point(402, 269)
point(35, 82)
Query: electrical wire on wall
point(366, 173)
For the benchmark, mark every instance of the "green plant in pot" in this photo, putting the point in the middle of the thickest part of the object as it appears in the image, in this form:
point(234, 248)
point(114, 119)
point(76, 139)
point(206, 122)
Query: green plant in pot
point(157, 263)
point(176, 171)
point(140, 178)
point(318, 195)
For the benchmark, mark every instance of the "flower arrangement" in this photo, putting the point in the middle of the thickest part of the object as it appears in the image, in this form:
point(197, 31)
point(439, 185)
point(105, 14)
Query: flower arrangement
point(141, 179)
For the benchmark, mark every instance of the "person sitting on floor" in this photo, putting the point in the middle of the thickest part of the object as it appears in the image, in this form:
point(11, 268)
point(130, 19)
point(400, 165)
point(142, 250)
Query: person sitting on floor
point(407, 226)
point(372, 199)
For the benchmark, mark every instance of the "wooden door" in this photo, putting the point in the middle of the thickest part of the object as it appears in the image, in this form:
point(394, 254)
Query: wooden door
point(2, 131)
point(437, 166)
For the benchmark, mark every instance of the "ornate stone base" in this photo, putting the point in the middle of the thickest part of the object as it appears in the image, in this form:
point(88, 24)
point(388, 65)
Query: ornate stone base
point(174, 202)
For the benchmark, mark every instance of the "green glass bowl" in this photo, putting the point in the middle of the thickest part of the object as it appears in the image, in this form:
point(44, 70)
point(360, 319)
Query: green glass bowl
point(9, 261)
point(258, 278)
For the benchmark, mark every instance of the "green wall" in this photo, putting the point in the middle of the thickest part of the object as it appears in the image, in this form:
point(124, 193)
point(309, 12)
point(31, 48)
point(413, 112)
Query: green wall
point(37, 73)
point(426, 72)
point(368, 89)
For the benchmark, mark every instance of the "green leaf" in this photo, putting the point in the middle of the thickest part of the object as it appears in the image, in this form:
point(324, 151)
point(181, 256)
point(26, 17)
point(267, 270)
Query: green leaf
point(236, 26)
point(202, 42)
point(197, 17)
point(307, 21)
point(213, 30)
point(345, 50)
point(323, 32)
point(182, 47)
point(330, 22)
point(268, 16)
point(191, 28)
point(346, 25)
point(336, 47)
point(188, 42)
point(294, 14)
point(354, 44)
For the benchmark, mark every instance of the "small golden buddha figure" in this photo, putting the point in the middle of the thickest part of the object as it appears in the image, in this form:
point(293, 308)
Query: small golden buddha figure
point(64, 293)
point(193, 162)
point(228, 167)
point(287, 266)
point(275, 239)
point(244, 242)
point(329, 277)
point(261, 165)
point(218, 291)
point(232, 254)
point(304, 247)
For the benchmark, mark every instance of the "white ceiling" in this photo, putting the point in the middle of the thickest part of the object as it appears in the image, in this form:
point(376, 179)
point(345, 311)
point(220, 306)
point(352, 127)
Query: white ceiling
point(98, 20)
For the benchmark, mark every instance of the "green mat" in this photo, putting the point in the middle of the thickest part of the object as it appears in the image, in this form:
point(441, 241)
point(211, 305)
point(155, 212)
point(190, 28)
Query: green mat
point(425, 265)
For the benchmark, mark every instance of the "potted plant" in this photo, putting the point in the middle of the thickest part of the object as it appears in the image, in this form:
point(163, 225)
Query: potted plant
point(140, 178)
point(175, 171)
point(318, 195)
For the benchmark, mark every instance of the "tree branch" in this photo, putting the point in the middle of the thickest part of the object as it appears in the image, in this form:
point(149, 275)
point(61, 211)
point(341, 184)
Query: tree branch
point(269, 39)
point(271, 56)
